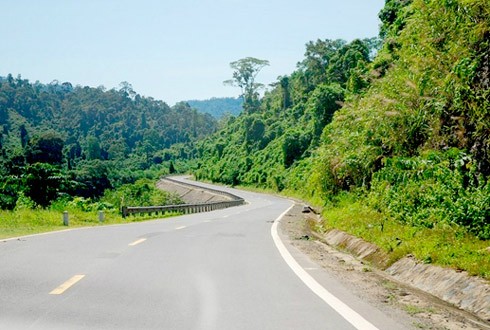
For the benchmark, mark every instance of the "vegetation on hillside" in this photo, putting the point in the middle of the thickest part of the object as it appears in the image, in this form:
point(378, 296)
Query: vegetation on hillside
point(405, 133)
point(259, 146)
point(419, 137)
point(58, 141)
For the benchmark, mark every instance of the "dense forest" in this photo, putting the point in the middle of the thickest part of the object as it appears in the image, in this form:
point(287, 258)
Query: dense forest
point(58, 140)
point(400, 123)
point(218, 107)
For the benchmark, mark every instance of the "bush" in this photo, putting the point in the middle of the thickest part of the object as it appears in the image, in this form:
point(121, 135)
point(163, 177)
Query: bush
point(142, 193)
point(439, 187)
point(88, 205)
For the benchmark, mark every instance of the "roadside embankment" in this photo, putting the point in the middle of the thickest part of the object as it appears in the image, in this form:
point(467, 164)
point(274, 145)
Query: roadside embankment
point(190, 194)
point(466, 292)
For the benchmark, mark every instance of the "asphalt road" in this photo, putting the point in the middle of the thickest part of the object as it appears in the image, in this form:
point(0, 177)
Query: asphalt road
point(224, 269)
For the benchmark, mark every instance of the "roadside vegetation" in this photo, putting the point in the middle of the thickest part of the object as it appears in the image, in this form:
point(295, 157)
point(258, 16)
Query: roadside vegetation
point(28, 218)
point(59, 141)
point(389, 136)
point(84, 149)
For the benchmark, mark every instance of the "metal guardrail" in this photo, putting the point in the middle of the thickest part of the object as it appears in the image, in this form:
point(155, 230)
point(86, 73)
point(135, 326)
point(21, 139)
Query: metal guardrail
point(186, 208)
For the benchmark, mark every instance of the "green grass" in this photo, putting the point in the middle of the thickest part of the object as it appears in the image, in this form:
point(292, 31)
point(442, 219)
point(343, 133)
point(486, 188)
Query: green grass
point(27, 222)
point(443, 245)
point(414, 310)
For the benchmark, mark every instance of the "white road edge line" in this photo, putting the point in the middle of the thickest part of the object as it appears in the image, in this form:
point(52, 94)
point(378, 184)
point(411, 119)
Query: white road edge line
point(340, 307)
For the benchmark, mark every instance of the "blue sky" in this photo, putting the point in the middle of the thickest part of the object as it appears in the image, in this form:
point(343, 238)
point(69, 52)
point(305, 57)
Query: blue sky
point(170, 50)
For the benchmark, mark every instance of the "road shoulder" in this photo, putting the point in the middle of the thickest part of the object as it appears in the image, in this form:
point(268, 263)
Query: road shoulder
point(411, 307)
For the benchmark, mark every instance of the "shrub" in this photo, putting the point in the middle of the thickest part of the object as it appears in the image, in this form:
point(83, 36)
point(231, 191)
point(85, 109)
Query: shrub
point(439, 187)
point(142, 193)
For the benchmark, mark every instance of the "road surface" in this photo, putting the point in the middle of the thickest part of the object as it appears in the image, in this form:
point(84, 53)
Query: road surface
point(226, 269)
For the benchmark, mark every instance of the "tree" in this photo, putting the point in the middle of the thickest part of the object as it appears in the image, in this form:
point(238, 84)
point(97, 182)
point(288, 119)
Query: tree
point(46, 148)
point(171, 168)
point(43, 182)
point(93, 150)
point(92, 177)
point(283, 83)
point(246, 70)
point(318, 56)
point(24, 136)
point(345, 60)
point(391, 16)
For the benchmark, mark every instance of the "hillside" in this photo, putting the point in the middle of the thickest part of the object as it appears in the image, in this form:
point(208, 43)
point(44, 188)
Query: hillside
point(218, 106)
point(58, 139)
point(400, 141)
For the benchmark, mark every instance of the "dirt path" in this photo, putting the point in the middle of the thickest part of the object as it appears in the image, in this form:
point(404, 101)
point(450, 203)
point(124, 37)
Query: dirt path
point(410, 306)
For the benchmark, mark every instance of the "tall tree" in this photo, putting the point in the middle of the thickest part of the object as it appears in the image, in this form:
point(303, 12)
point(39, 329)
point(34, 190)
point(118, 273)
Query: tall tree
point(46, 148)
point(24, 136)
point(318, 56)
point(42, 182)
point(246, 70)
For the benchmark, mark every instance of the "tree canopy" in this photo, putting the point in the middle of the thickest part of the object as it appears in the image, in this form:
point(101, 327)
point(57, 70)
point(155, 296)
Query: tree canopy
point(244, 74)
point(82, 140)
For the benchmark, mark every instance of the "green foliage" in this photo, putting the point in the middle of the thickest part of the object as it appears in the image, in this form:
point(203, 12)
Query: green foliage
point(92, 149)
point(244, 74)
point(321, 105)
point(142, 193)
point(10, 186)
point(45, 148)
point(58, 139)
point(294, 145)
point(417, 104)
point(393, 17)
point(255, 129)
point(432, 189)
point(24, 202)
point(92, 178)
point(85, 205)
point(406, 134)
point(260, 147)
point(318, 57)
point(444, 244)
point(43, 183)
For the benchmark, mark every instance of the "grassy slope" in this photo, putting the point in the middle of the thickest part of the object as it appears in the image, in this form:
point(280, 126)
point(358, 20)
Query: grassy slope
point(422, 103)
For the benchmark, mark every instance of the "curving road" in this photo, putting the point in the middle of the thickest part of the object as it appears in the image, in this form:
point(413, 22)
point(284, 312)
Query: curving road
point(226, 269)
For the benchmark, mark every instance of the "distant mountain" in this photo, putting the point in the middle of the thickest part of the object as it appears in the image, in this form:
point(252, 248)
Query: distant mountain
point(218, 107)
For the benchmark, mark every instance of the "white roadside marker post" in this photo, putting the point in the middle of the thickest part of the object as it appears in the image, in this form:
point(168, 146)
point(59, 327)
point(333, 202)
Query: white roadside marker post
point(66, 221)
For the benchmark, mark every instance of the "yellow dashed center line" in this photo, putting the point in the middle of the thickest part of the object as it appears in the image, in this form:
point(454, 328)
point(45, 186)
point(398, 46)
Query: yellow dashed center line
point(181, 227)
point(68, 284)
point(141, 240)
